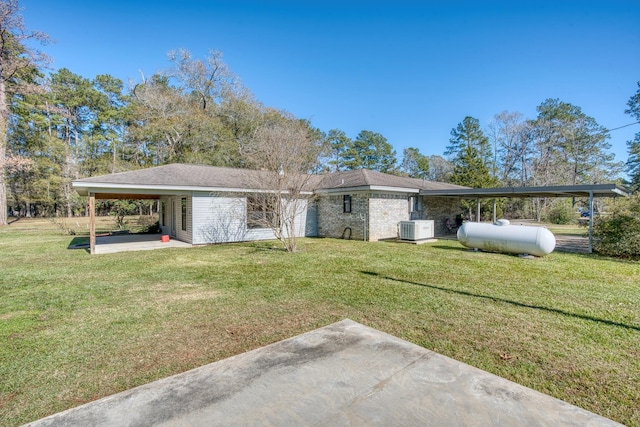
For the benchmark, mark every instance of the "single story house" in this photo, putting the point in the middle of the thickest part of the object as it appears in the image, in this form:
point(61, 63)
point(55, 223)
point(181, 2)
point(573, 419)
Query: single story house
point(207, 204)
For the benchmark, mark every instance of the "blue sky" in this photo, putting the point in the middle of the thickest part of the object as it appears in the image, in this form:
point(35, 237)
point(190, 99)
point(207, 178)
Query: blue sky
point(409, 70)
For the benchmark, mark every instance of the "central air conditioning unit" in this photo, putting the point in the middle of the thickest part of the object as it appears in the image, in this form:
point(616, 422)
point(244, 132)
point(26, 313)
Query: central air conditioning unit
point(416, 230)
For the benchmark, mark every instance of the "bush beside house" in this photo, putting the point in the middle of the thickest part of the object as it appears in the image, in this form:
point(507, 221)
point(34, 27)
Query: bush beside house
point(618, 234)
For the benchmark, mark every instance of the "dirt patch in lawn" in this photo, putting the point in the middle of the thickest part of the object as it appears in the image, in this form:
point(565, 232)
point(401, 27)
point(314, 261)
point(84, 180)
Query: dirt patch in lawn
point(194, 295)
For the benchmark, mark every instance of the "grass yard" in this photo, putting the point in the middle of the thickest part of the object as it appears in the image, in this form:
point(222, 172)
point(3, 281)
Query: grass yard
point(75, 327)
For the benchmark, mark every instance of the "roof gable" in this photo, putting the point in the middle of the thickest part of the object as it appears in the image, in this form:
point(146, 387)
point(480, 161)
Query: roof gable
point(369, 178)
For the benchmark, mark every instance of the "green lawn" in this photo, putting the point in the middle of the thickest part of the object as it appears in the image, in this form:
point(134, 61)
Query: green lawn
point(75, 327)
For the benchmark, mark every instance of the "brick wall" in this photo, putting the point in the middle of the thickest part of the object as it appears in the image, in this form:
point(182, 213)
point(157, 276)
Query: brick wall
point(383, 212)
point(332, 222)
point(375, 215)
point(439, 209)
point(386, 210)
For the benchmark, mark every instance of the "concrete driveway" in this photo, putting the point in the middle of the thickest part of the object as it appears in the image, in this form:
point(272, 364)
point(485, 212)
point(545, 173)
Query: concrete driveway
point(344, 374)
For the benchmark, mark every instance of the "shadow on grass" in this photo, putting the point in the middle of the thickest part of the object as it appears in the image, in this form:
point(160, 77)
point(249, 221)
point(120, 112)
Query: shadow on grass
point(600, 257)
point(267, 246)
point(79, 243)
point(516, 303)
point(451, 248)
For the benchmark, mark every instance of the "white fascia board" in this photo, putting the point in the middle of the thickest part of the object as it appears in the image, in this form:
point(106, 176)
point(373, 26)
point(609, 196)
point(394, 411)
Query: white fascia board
point(370, 188)
point(395, 189)
point(342, 190)
point(161, 189)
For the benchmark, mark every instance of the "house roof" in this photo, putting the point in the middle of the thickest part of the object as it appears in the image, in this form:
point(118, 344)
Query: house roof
point(340, 181)
point(172, 178)
point(184, 177)
point(176, 174)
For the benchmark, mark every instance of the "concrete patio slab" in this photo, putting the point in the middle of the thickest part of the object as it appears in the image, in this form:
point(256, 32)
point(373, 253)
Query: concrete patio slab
point(134, 242)
point(344, 374)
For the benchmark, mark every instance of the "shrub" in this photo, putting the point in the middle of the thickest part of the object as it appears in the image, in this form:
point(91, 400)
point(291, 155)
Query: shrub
point(561, 212)
point(153, 228)
point(61, 223)
point(618, 234)
point(119, 210)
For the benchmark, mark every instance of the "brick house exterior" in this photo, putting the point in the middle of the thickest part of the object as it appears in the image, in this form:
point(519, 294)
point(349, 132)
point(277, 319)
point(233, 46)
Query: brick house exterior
point(207, 204)
point(378, 203)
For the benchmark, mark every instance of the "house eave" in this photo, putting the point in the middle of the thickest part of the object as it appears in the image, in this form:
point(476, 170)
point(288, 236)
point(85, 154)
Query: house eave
point(84, 188)
point(369, 188)
point(597, 190)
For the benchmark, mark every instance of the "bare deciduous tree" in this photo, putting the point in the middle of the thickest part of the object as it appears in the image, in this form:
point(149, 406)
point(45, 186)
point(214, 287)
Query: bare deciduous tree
point(285, 150)
point(210, 79)
point(440, 169)
point(188, 113)
point(511, 145)
point(163, 117)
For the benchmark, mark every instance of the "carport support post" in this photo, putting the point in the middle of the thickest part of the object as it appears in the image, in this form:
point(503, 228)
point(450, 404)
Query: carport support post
point(494, 210)
point(92, 223)
point(590, 221)
point(478, 212)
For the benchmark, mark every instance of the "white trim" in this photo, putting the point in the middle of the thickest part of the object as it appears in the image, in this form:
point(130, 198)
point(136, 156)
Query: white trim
point(394, 189)
point(370, 188)
point(161, 189)
point(582, 190)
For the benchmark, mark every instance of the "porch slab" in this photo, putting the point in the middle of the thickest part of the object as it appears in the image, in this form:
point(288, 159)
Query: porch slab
point(134, 242)
point(417, 242)
point(344, 374)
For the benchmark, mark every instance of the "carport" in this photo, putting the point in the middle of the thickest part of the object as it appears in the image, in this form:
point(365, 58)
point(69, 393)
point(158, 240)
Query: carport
point(93, 196)
point(588, 191)
point(100, 191)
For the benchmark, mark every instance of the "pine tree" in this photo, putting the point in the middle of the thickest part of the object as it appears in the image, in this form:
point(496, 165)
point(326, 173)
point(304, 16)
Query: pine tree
point(17, 59)
point(470, 151)
point(415, 164)
point(370, 150)
point(633, 163)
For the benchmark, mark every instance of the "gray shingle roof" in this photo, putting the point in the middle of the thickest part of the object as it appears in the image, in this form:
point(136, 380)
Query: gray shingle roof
point(184, 175)
point(366, 177)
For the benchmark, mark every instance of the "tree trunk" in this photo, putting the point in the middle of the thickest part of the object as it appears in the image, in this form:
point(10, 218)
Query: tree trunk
point(76, 161)
point(3, 193)
point(66, 171)
point(4, 118)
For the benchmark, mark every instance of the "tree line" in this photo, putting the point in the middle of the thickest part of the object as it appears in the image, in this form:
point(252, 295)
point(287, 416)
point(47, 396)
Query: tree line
point(59, 126)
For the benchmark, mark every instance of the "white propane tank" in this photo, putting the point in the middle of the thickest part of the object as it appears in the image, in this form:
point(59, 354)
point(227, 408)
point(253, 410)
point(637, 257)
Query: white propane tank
point(503, 237)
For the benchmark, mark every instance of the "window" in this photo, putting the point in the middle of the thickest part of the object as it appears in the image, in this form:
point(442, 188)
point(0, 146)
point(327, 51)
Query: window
point(415, 204)
point(183, 203)
point(164, 214)
point(346, 203)
point(260, 212)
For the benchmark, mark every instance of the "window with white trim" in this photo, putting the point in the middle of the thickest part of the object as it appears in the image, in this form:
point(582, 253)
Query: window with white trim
point(346, 203)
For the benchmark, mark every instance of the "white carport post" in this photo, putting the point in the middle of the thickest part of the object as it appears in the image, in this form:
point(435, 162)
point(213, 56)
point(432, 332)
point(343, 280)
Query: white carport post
point(478, 212)
point(591, 221)
point(494, 210)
